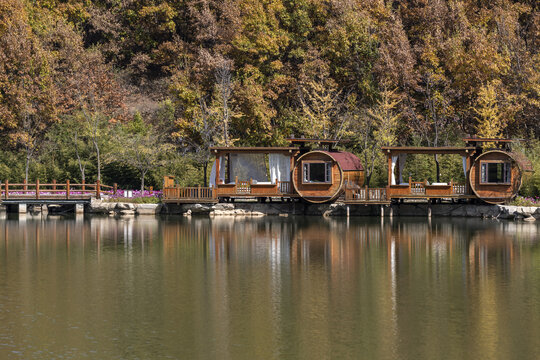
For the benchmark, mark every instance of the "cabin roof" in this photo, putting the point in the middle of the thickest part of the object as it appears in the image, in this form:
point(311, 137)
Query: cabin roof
point(252, 149)
point(467, 140)
point(346, 160)
point(428, 150)
point(313, 140)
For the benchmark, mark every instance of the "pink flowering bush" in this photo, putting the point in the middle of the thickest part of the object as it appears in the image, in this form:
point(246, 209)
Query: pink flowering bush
point(526, 201)
point(139, 197)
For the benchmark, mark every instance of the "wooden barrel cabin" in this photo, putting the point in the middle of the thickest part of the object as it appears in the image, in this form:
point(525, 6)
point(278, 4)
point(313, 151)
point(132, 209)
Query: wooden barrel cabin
point(320, 176)
point(496, 176)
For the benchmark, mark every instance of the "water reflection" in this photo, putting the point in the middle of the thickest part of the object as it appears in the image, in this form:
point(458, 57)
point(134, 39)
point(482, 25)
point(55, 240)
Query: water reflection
point(268, 288)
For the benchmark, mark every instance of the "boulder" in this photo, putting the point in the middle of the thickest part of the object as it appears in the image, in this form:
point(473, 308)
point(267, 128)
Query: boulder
point(148, 209)
point(197, 209)
point(124, 206)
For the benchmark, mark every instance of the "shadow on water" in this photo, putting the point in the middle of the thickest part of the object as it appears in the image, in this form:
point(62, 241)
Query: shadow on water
point(272, 287)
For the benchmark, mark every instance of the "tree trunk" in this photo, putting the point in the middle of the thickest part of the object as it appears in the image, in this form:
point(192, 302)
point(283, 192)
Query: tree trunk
point(143, 174)
point(26, 167)
point(438, 168)
point(98, 160)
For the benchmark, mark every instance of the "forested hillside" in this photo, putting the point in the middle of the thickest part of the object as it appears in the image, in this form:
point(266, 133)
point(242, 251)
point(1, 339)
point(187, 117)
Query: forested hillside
point(118, 89)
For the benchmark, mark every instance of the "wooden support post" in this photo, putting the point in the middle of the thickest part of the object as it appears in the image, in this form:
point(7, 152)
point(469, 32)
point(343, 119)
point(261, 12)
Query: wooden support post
point(429, 211)
point(391, 211)
point(67, 189)
point(98, 190)
point(37, 188)
point(382, 210)
point(348, 211)
point(83, 185)
point(54, 184)
point(218, 170)
point(6, 189)
point(115, 188)
point(25, 186)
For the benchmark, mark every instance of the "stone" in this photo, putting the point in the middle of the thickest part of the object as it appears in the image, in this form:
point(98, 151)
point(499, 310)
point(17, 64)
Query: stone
point(126, 212)
point(198, 209)
point(124, 206)
point(147, 209)
point(223, 206)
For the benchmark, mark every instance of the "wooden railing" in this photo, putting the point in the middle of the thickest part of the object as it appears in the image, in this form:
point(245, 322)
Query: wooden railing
point(284, 187)
point(418, 188)
point(459, 189)
point(365, 194)
point(189, 193)
point(243, 187)
point(54, 190)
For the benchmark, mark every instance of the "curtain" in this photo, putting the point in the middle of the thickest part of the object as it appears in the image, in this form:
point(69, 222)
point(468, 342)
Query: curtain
point(248, 166)
point(280, 167)
point(402, 159)
point(222, 169)
point(394, 160)
point(464, 160)
point(213, 175)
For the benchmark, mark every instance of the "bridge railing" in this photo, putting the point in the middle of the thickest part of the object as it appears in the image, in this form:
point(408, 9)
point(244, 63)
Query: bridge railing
point(54, 190)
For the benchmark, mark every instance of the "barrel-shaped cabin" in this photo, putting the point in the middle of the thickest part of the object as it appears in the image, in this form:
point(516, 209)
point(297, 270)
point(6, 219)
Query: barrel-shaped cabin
point(496, 176)
point(320, 176)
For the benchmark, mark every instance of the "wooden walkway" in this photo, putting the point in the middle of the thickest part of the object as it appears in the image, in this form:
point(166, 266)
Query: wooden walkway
point(57, 193)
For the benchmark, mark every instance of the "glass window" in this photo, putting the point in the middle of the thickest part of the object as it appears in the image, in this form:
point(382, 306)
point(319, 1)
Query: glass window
point(496, 172)
point(317, 172)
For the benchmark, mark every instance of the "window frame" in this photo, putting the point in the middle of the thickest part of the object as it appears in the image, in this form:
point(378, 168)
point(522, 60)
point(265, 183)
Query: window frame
point(506, 172)
point(327, 171)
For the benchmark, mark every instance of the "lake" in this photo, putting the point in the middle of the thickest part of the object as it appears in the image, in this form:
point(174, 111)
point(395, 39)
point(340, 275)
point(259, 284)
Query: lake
point(268, 288)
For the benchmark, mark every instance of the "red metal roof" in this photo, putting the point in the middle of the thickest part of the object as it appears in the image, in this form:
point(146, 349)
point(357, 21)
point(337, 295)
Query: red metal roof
point(348, 161)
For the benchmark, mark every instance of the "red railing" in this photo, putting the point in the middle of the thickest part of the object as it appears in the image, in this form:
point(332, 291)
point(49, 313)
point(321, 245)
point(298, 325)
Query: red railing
point(54, 190)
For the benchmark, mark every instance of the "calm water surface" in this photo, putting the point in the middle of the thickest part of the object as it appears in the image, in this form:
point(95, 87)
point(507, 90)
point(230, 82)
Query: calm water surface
point(270, 288)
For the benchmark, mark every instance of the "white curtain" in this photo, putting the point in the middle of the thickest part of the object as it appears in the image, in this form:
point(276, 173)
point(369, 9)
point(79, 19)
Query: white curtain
point(402, 159)
point(464, 159)
point(213, 175)
point(394, 160)
point(222, 169)
point(280, 167)
point(248, 166)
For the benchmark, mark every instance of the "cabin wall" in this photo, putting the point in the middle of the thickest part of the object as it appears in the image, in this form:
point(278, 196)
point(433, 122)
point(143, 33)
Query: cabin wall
point(494, 191)
point(317, 190)
point(354, 177)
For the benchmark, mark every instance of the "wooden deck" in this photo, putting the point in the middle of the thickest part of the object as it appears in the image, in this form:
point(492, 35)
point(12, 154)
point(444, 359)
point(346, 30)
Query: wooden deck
point(237, 190)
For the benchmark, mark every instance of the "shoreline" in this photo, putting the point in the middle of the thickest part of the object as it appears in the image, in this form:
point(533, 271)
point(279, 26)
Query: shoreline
point(247, 209)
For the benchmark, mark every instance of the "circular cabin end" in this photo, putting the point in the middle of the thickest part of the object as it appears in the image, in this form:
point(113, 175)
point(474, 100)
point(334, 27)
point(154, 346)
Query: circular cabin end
point(495, 177)
point(317, 177)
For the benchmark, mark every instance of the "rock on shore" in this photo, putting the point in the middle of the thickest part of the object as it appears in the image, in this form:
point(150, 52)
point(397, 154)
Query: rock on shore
point(336, 209)
point(123, 209)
